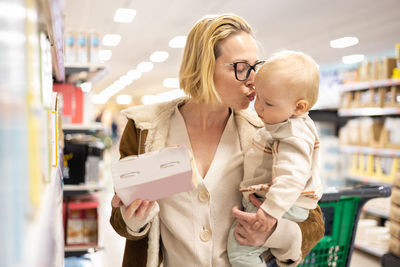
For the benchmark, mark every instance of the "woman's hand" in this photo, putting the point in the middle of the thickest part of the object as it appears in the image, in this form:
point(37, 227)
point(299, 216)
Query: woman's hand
point(138, 207)
point(253, 229)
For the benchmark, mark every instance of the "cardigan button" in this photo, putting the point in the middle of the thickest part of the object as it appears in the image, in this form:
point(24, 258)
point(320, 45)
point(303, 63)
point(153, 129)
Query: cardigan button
point(205, 235)
point(204, 196)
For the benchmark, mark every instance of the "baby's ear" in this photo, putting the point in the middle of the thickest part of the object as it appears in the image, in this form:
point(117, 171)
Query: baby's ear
point(301, 107)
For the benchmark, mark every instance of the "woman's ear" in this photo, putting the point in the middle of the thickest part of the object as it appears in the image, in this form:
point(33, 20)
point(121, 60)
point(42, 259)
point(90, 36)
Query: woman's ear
point(301, 107)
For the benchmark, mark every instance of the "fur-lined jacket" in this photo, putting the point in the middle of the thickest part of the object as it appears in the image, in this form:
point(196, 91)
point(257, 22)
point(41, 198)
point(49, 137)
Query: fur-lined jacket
point(146, 131)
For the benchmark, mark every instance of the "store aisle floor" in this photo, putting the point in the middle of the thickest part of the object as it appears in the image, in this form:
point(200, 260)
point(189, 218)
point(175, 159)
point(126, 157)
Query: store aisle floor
point(113, 245)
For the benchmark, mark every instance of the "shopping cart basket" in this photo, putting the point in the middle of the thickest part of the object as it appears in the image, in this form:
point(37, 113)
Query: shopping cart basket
point(341, 211)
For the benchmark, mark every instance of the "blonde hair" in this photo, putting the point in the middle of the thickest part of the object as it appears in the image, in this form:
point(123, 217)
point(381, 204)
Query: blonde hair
point(299, 71)
point(196, 74)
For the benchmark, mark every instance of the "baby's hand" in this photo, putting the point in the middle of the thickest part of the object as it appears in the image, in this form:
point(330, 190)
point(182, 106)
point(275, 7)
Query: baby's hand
point(264, 221)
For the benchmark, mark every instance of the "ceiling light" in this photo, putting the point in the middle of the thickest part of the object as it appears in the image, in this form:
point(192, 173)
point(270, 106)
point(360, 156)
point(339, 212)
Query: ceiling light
point(12, 11)
point(111, 39)
point(171, 83)
point(344, 42)
point(159, 56)
point(351, 59)
point(163, 97)
point(86, 87)
point(126, 80)
point(178, 41)
point(124, 99)
point(145, 66)
point(134, 74)
point(124, 15)
point(105, 54)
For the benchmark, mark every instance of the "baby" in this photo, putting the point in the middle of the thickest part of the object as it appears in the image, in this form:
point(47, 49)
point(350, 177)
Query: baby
point(281, 166)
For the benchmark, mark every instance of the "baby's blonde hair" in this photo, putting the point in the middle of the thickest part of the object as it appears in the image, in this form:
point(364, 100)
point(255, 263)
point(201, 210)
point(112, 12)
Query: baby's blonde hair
point(298, 70)
point(196, 75)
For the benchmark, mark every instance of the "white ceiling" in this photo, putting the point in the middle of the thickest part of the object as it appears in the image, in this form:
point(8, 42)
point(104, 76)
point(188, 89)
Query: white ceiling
point(305, 25)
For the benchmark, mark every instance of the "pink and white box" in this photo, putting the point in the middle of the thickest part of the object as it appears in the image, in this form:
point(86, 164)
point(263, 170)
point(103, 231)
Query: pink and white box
point(154, 175)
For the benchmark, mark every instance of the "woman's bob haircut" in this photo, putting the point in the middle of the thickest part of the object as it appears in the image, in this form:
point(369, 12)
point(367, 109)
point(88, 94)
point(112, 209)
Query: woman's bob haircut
point(196, 75)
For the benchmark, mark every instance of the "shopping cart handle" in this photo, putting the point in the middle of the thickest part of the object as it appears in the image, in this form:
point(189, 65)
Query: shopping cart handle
point(366, 191)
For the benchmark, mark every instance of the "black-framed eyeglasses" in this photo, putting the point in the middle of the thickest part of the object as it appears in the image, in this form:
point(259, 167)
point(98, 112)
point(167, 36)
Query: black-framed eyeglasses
point(243, 69)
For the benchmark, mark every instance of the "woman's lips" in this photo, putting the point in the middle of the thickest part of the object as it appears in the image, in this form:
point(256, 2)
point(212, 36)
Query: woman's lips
point(251, 96)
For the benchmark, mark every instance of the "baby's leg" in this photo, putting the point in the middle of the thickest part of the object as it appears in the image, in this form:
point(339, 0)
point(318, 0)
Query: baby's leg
point(244, 256)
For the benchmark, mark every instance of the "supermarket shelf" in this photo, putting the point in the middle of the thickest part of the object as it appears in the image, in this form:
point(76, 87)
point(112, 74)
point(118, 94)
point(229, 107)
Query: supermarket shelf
point(365, 179)
point(369, 84)
point(370, 150)
point(83, 187)
point(369, 111)
point(77, 72)
point(53, 13)
point(70, 251)
point(370, 250)
point(82, 248)
point(380, 213)
point(95, 126)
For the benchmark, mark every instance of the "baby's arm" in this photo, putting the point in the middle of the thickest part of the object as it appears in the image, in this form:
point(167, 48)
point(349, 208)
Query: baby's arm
point(291, 171)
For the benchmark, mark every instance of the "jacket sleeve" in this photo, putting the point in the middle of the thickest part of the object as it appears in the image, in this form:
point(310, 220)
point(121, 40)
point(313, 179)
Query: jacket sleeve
point(128, 146)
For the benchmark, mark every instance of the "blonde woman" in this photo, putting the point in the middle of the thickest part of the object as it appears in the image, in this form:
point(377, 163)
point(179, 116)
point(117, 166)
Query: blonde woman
point(191, 228)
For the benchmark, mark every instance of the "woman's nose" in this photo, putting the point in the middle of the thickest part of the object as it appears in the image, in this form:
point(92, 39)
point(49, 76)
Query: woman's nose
point(250, 80)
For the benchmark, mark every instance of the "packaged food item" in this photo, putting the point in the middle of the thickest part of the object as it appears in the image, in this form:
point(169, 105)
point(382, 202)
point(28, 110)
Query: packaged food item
point(154, 175)
point(82, 51)
point(75, 227)
point(94, 47)
point(70, 47)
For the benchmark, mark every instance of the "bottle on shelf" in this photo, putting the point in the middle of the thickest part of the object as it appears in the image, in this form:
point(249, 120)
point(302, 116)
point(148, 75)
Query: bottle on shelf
point(70, 46)
point(82, 47)
point(94, 47)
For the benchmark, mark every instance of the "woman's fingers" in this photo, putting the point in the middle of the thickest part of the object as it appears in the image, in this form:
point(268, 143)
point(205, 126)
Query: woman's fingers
point(116, 201)
point(142, 211)
point(131, 209)
point(244, 218)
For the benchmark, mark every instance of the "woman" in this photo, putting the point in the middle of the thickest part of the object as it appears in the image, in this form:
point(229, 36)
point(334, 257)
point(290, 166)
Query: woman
point(217, 73)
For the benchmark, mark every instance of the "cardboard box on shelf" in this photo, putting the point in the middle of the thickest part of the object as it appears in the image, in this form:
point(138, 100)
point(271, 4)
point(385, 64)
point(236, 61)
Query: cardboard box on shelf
point(394, 213)
point(386, 68)
point(74, 235)
point(396, 179)
point(396, 195)
point(394, 246)
point(394, 228)
point(346, 99)
point(392, 97)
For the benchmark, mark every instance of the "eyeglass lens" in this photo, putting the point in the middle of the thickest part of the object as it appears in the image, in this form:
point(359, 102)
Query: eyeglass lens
point(243, 69)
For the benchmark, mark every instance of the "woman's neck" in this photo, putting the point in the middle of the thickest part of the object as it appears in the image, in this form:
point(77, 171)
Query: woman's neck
point(204, 116)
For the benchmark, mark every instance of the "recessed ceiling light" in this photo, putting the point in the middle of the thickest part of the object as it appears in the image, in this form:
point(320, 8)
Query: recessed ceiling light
point(145, 66)
point(344, 42)
point(124, 99)
point(351, 59)
point(105, 54)
point(12, 11)
point(163, 97)
point(159, 56)
point(124, 15)
point(171, 83)
point(178, 41)
point(111, 39)
point(134, 74)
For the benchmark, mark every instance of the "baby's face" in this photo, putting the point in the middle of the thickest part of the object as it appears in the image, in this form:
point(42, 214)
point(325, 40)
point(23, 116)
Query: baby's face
point(275, 102)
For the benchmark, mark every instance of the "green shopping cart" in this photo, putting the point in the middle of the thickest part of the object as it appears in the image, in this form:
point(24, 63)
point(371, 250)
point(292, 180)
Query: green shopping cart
point(341, 211)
